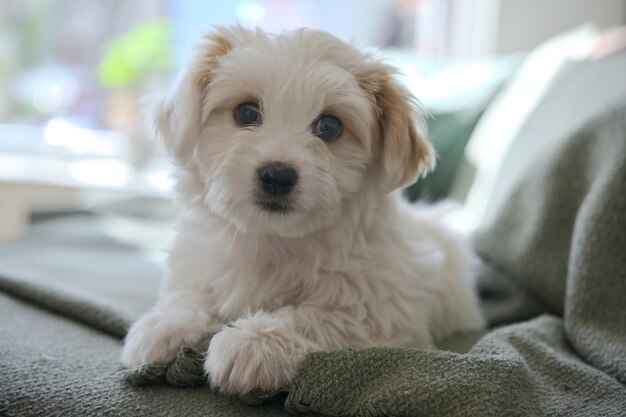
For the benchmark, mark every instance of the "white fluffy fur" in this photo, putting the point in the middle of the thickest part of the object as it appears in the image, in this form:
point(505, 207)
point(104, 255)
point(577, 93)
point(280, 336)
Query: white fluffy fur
point(352, 266)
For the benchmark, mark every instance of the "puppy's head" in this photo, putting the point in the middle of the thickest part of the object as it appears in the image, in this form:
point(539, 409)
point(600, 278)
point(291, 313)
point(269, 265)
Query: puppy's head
point(283, 130)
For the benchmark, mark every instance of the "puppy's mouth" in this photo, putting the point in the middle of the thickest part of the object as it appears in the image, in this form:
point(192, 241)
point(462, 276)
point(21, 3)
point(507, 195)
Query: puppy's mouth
point(275, 206)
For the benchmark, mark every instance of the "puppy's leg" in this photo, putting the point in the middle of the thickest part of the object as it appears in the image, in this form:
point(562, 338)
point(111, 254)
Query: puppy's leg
point(263, 350)
point(181, 319)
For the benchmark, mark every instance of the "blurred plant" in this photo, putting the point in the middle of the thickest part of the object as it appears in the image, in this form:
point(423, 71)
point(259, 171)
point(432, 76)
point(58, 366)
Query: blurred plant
point(145, 49)
point(136, 62)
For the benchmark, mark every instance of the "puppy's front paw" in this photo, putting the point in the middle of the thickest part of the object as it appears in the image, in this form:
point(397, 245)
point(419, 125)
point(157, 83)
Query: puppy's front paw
point(157, 336)
point(256, 352)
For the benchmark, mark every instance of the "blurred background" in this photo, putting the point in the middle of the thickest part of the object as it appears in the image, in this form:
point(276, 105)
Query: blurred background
point(73, 74)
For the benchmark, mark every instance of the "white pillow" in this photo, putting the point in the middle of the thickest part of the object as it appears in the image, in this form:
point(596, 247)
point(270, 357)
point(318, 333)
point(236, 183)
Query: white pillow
point(498, 127)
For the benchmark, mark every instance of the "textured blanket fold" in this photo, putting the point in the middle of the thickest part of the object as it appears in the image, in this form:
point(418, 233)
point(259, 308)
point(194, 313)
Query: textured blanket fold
point(521, 370)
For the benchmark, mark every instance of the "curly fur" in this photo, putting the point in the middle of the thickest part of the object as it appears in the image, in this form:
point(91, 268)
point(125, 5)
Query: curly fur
point(351, 266)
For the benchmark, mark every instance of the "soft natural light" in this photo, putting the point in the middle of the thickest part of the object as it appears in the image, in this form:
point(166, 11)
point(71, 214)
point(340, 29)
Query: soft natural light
point(250, 13)
point(71, 138)
point(101, 173)
point(160, 180)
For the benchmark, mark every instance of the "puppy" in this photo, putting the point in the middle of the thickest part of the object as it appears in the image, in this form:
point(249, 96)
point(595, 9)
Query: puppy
point(291, 239)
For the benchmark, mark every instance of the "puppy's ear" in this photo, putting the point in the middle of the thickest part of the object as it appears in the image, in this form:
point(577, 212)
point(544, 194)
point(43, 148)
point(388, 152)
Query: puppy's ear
point(178, 118)
point(406, 152)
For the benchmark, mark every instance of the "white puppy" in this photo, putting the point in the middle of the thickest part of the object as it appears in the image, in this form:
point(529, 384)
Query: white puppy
point(290, 239)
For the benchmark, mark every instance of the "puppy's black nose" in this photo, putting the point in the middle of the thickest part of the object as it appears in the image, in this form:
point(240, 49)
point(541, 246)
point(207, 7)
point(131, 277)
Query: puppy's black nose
point(277, 178)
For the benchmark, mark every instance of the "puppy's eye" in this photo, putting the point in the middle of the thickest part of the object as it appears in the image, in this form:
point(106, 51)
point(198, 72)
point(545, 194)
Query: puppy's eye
point(248, 114)
point(327, 127)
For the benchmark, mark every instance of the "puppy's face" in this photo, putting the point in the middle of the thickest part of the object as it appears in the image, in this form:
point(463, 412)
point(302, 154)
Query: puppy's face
point(283, 130)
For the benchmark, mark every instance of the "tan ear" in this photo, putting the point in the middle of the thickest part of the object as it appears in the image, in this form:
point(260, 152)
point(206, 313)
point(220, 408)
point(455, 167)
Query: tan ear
point(406, 152)
point(178, 118)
